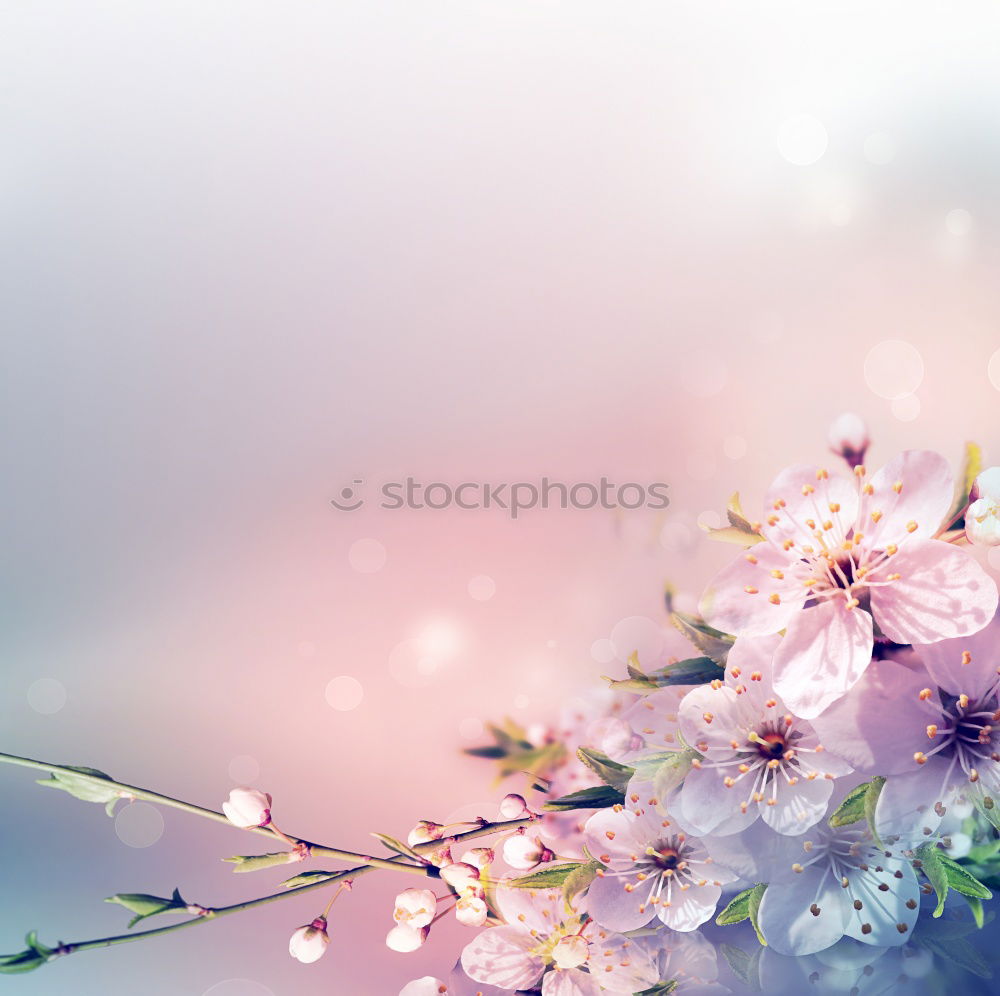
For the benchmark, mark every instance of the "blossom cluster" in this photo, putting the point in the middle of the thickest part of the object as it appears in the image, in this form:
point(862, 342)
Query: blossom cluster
point(821, 762)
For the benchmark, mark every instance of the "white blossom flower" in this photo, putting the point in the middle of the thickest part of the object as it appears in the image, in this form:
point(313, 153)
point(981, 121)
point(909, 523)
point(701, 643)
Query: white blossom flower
point(982, 519)
point(471, 910)
point(427, 986)
point(309, 943)
point(406, 939)
point(424, 832)
point(247, 808)
point(686, 959)
point(524, 853)
point(513, 807)
point(479, 857)
point(415, 907)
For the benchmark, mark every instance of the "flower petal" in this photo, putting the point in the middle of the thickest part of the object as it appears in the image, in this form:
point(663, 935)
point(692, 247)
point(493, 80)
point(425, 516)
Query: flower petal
point(803, 493)
point(621, 965)
point(688, 910)
point(823, 655)
point(948, 665)
point(613, 907)
point(786, 917)
point(502, 956)
point(915, 487)
point(941, 592)
point(612, 835)
point(706, 804)
point(883, 896)
point(906, 811)
point(569, 983)
point(799, 806)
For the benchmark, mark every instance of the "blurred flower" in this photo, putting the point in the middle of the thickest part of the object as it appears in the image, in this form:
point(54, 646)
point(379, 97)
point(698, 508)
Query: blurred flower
point(415, 907)
point(405, 939)
point(247, 808)
point(524, 853)
point(834, 556)
point(982, 520)
point(848, 438)
point(760, 760)
point(513, 807)
point(309, 943)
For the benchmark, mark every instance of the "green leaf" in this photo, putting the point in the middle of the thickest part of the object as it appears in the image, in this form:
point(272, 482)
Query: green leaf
point(255, 862)
point(308, 878)
point(711, 642)
point(961, 880)
point(660, 989)
point(976, 905)
point(146, 906)
point(598, 797)
point(959, 951)
point(397, 845)
point(852, 808)
point(610, 772)
point(87, 789)
point(871, 801)
point(972, 467)
point(532, 762)
point(737, 911)
point(693, 671)
point(578, 880)
point(929, 856)
point(745, 966)
point(756, 895)
point(550, 877)
point(31, 939)
point(36, 955)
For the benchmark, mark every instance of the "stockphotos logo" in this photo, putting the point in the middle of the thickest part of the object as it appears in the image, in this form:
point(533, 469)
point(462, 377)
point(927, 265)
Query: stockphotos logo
point(512, 498)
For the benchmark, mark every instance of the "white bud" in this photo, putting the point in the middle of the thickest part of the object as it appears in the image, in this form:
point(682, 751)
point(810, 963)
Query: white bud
point(982, 519)
point(570, 952)
point(461, 877)
point(406, 939)
point(427, 986)
point(424, 832)
point(248, 808)
point(479, 857)
point(848, 438)
point(309, 943)
point(513, 807)
point(415, 907)
point(471, 911)
point(524, 853)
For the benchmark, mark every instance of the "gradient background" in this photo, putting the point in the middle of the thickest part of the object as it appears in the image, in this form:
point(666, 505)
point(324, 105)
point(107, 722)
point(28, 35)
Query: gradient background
point(255, 251)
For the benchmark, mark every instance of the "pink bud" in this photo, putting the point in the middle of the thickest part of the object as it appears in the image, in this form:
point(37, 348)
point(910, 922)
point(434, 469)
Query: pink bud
point(415, 907)
point(471, 911)
point(424, 832)
point(461, 877)
point(479, 857)
point(309, 943)
point(513, 807)
point(406, 939)
point(570, 952)
point(524, 853)
point(247, 808)
point(848, 438)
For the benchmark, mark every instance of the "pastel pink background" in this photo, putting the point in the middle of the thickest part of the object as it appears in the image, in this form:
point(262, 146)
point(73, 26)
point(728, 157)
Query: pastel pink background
point(254, 251)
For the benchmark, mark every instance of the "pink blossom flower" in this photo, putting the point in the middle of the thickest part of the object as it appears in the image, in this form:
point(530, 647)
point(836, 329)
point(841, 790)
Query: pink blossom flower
point(834, 555)
point(848, 438)
point(759, 759)
point(524, 853)
point(309, 943)
point(415, 907)
point(652, 869)
point(982, 519)
point(566, 954)
point(247, 808)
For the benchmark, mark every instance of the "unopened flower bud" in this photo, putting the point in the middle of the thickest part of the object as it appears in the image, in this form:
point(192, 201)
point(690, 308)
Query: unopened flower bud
point(848, 438)
point(570, 952)
point(415, 907)
point(461, 877)
point(513, 807)
point(309, 943)
point(424, 832)
point(471, 911)
point(524, 853)
point(427, 986)
point(982, 520)
point(479, 857)
point(405, 939)
point(247, 808)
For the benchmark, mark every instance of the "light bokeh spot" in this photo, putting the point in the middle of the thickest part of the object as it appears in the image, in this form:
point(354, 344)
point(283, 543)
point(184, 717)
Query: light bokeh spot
point(47, 696)
point(709, 519)
point(906, 409)
point(638, 634)
point(482, 588)
point(880, 148)
point(471, 728)
point(244, 769)
point(958, 221)
point(993, 370)
point(894, 369)
point(802, 139)
point(139, 824)
point(367, 556)
point(603, 651)
point(344, 693)
point(677, 537)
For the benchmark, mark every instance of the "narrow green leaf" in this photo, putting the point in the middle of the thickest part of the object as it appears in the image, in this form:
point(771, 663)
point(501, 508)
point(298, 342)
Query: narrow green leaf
point(961, 880)
point(929, 856)
point(255, 862)
point(660, 989)
point(578, 880)
point(756, 895)
point(550, 877)
point(736, 911)
point(976, 905)
point(397, 845)
point(610, 772)
point(86, 789)
point(307, 878)
point(744, 965)
point(693, 671)
point(852, 808)
point(146, 906)
point(959, 951)
point(711, 642)
point(870, 802)
point(598, 797)
point(972, 467)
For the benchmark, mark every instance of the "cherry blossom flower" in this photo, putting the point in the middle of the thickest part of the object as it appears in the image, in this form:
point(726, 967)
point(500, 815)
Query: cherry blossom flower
point(524, 853)
point(848, 438)
point(982, 519)
point(688, 960)
point(513, 807)
point(427, 986)
point(309, 943)
point(759, 759)
point(406, 939)
point(652, 869)
point(424, 832)
point(247, 808)
point(837, 554)
point(654, 718)
point(415, 907)
point(566, 954)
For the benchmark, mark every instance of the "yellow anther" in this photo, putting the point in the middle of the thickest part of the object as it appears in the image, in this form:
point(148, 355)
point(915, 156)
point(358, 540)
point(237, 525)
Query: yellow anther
point(807, 489)
point(876, 515)
point(963, 701)
point(932, 730)
point(911, 526)
point(891, 549)
point(779, 575)
point(750, 589)
point(966, 658)
point(897, 487)
point(925, 694)
point(774, 599)
point(751, 558)
point(920, 757)
point(707, 716)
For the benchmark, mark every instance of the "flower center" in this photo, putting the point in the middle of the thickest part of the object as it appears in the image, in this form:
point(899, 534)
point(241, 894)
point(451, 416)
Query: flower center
point(666, 857)
point(772, 745)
